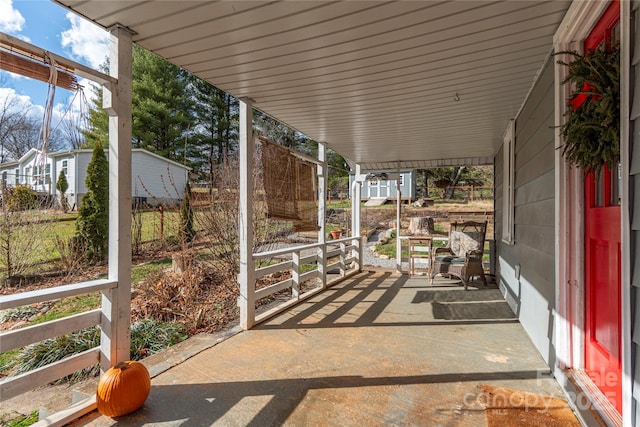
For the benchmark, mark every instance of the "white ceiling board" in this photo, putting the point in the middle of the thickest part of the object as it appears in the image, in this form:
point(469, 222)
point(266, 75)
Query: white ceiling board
point(375, 80)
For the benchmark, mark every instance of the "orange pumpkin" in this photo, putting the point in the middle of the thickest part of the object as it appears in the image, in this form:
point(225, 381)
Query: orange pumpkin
point(123, 389)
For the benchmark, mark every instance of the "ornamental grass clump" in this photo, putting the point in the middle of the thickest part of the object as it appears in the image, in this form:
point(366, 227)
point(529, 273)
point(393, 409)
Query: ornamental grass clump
point(147, 337)
point(592, 128)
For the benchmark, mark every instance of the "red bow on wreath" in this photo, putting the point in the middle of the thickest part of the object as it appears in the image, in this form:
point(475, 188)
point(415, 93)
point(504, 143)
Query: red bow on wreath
point(587, 90)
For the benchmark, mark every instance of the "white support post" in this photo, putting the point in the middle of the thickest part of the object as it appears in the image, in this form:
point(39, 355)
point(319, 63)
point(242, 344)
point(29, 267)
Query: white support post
point(295, 275)
point(322, 210)
point(116, 303)
point(398, 207)
point(246, 278)
point(356, 196)
point(626, 29)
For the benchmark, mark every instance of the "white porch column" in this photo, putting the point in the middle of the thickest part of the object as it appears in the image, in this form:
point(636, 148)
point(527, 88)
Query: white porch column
point(322, 211)
point(626, 29)
point(246, 278)
point(116, 303)
point(356, 198)
point(398, 208)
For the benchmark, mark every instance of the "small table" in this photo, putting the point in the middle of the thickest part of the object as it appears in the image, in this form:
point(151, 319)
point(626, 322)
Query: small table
point(419, 241)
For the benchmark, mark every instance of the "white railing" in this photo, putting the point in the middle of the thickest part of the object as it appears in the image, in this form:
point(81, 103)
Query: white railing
point(15, 339)
point(341, 252)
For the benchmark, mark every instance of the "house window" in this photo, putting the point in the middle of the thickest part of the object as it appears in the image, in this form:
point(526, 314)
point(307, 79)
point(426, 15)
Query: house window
point(17, 176)
point(401, 180)
point(37, 175)
point(64, 167)
point(27, 173)
point(508, 174)
point(47, 173)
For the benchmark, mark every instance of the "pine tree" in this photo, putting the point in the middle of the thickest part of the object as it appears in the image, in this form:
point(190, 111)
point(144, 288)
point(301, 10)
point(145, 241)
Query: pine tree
point(162, 105)
point(162, 101)
point(62, 186)
point(98, 132)
point(215, 135)
point(93, 216)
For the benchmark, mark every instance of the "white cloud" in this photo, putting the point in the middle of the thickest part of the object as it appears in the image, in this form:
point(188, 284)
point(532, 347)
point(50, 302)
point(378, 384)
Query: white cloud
point(11, 20)
point(85, 41)
point(15, 102)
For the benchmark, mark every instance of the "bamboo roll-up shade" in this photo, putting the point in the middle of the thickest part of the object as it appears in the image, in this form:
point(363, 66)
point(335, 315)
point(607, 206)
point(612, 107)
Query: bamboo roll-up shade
point(17, 64)
point(290, 187)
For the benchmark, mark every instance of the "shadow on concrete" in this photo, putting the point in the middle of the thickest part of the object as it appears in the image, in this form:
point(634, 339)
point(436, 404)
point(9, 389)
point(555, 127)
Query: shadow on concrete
point(379, 289)
point(302, 368)
point(465, 305)
point(194, 405)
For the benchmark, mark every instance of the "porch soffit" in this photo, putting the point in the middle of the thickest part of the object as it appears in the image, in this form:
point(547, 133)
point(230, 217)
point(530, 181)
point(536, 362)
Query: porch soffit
point(382, 83)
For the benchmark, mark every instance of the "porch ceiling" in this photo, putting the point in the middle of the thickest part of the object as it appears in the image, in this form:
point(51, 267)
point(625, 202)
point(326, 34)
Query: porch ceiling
point(377, 80)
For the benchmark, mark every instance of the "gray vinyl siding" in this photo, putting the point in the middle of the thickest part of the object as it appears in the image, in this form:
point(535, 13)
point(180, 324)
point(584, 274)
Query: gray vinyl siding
point(83, 158)
point(532, 295)
point(634, 203)
point(164, 180)
point(155, 179)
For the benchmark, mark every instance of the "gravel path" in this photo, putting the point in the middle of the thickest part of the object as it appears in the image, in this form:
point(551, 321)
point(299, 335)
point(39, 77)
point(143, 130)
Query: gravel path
point(371, 260)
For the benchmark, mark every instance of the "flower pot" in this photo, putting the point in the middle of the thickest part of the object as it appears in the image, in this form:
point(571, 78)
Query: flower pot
point(335, 234)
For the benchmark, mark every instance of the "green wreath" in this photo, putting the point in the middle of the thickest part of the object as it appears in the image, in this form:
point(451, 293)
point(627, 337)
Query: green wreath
point(592, 129)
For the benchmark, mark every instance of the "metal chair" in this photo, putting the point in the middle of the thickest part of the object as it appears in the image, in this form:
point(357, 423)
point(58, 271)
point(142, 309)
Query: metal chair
point(462, 257)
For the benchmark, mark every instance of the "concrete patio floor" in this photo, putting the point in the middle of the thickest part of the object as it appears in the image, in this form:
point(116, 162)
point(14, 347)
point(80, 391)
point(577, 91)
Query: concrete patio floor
point(377, 349)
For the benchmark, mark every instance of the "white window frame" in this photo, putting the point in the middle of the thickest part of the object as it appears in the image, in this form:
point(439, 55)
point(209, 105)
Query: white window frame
point(508, 183)
point(17, 177)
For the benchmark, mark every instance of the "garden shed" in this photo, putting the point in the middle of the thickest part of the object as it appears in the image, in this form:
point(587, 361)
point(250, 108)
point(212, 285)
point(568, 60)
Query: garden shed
point(383, 184)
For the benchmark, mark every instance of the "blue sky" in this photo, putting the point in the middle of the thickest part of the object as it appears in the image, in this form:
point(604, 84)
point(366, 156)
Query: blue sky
point(51, 27)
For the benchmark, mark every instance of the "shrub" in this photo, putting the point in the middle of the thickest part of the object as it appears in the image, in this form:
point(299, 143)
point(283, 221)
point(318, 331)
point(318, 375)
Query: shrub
point(186, 215)
point(21, 231)
point(22, 198)
point(62, 186)
point(73, 253)
point(93, 215)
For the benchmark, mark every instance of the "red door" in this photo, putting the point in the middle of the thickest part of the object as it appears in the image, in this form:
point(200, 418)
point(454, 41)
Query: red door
point(602, 257)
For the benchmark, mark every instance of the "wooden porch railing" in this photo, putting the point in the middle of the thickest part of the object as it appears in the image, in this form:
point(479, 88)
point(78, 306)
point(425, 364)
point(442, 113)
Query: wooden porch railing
point(342, 252)
point(14, 339)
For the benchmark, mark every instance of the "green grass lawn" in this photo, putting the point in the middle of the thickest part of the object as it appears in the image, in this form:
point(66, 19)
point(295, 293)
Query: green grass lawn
point(63, 226)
